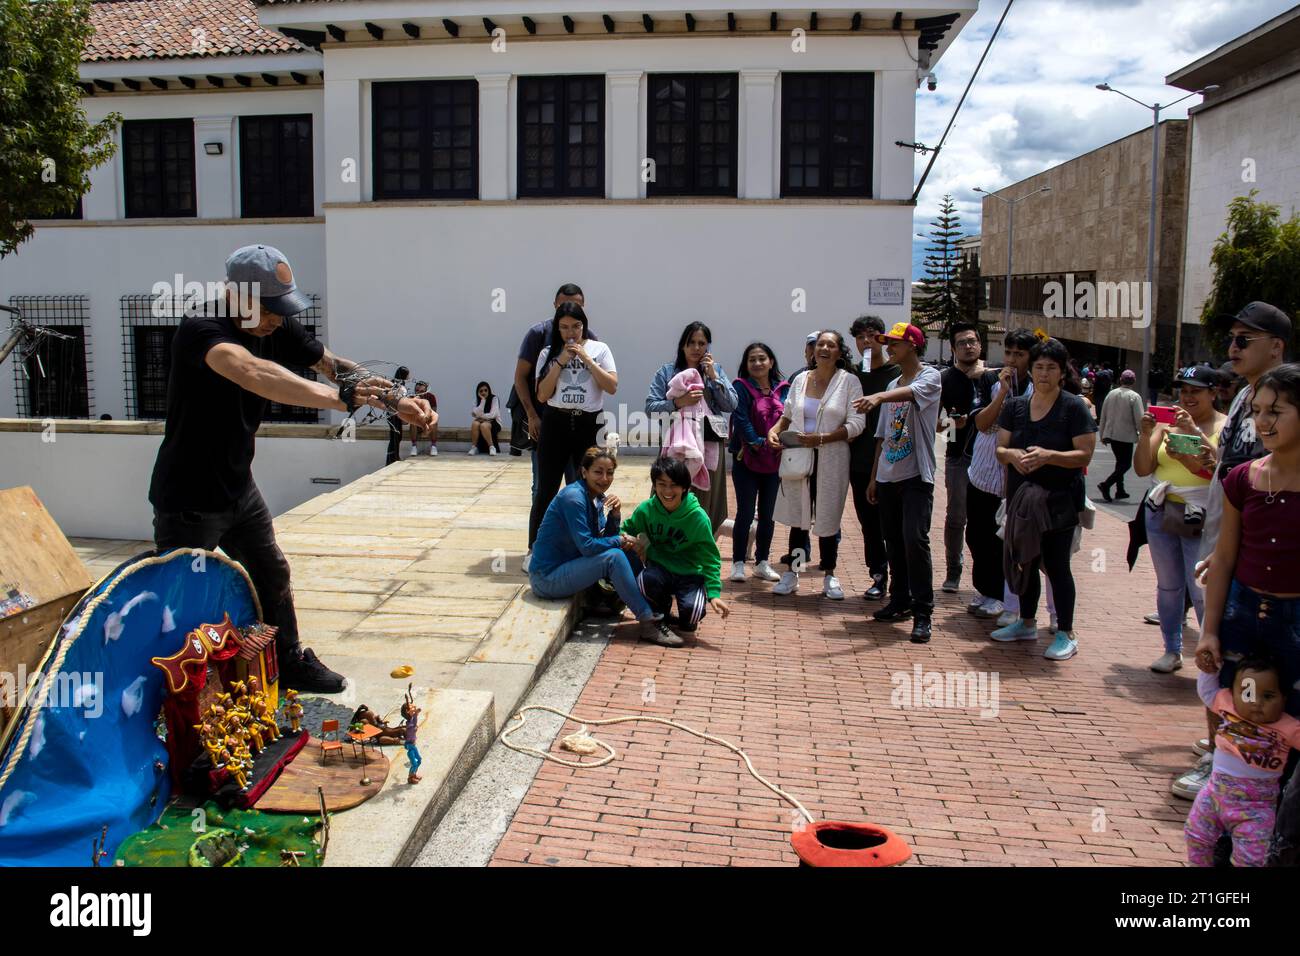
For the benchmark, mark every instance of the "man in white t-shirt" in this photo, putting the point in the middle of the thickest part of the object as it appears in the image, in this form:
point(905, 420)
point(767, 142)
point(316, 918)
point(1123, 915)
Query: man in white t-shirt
point(902, 478)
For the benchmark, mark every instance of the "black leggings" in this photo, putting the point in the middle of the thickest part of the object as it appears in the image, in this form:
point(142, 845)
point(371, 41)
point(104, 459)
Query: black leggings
point(1055, 563)
point(1123, 460)
point(564, 439)
point(984, 543)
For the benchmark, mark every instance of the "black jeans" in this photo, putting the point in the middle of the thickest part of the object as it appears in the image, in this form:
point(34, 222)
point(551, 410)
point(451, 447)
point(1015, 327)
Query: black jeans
point(828, 549)
point(1055, 563)
point(873, 536)
point(754, 491)
point(984, 543)
point(1123, 459)
point(245, 533)
point(905, 511)
point(565, 438)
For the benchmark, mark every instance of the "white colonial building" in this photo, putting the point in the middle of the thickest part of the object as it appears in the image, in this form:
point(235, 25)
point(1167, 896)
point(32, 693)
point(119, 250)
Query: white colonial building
point(435, 170)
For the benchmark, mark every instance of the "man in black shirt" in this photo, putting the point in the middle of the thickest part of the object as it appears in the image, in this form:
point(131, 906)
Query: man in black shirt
point(228, 360)
point(875, 372)
point(957, 399)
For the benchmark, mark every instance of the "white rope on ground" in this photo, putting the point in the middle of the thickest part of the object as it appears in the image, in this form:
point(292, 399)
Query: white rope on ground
point(582, 743)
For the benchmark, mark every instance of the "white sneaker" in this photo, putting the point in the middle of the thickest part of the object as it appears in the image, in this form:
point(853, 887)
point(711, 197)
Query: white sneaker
point(737, 570)
point(433, 451)
point(831, 588)
point(415, 449)
point(492, 450)
point(528, 559)
point(765, 572)
point(975, 603)
point(473, 450)
point(788, 584)
point(991, 608)
point(1007, 618)
point(1167, 663)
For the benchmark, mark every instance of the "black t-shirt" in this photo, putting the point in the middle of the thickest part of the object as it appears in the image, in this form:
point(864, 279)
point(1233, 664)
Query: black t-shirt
point(958, 398)
point(205, 462)
point(862, 450)
point(1068, 418)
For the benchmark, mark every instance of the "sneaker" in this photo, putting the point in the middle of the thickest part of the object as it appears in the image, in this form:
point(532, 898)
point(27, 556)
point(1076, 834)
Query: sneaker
point(1152, 619)
point(1121, 495)
point(654, 618)
point(528, 559)
point(737, 570)
point(877, 590)
point(1017, 630)
point(1190, 784)
point(788, 584)
point(1007, 618)
point(492, 450)
point(1051, 624)
point(664, 636)
point(765, 572)
point(1062, 648)
point(1202, 746)
point(415, 449)
point(831, 588)
point(951, 584)
point(920, 631)
point(433, 451)
point(975, 603)
point(990, 609)
point(473, 450)
point(305, 672)
point(893, 612)
point(1167, 663)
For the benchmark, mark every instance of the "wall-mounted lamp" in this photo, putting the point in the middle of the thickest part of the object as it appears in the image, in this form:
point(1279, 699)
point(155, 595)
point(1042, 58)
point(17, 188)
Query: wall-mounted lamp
point(212, 149)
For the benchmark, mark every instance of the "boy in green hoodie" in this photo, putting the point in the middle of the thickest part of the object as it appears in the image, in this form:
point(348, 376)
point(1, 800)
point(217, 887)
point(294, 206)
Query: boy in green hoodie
point(682, 556)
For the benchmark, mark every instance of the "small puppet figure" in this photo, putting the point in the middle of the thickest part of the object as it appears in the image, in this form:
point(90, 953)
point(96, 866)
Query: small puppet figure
point(240, 690)
point(239, 770)
point(292, 710)
point(365, 717)
point(412, 715)
point(254, 731)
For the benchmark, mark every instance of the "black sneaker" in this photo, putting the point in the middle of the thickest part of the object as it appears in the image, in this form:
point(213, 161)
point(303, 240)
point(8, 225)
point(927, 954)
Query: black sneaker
point(305, 672)
point(920, 631)
point(893, 612)
point(877, 590)
point(664, 636)
point(1105, 493)
point(1121, 495)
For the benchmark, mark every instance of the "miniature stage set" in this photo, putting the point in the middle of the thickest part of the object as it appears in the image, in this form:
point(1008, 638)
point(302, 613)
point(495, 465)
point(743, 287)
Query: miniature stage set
point(154, 696)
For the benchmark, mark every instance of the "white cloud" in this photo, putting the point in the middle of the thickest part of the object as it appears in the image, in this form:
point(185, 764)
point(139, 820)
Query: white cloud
point(1034, 104)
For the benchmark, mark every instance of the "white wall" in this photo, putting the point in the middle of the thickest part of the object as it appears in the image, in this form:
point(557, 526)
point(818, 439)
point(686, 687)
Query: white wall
point(1263, 126)
point(97, 486)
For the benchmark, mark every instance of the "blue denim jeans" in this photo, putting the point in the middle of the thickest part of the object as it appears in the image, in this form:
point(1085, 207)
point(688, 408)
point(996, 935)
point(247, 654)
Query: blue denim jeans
point(1174, 558)
point(1262, 625)
point(581, 573)
point(413, 755)
point(755, 492)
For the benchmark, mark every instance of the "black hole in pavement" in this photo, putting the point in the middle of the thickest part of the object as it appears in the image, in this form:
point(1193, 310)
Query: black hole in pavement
point(849, 839)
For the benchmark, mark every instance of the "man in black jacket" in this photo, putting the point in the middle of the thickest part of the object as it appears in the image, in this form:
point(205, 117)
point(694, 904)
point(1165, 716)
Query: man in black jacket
point(875, 372)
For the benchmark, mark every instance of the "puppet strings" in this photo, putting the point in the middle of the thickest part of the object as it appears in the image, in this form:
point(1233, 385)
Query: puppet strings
point(582, 743)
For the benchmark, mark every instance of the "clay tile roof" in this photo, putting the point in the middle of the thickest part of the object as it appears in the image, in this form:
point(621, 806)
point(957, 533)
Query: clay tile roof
point(156, 29)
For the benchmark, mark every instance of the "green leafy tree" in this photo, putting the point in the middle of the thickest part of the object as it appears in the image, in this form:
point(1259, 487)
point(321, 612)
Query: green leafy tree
point(937, 305)
point(47, 145)
point(1257, 258)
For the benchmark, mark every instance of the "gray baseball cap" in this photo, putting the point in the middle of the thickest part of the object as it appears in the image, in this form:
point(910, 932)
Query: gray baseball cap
point(268, 267)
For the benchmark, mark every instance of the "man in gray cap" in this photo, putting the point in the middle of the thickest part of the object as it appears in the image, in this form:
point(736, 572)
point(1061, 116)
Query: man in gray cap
point(229, 358)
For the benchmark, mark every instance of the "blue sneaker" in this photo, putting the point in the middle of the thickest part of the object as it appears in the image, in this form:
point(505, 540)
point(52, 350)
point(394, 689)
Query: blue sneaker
point(1063, 647)
point(1017, 630)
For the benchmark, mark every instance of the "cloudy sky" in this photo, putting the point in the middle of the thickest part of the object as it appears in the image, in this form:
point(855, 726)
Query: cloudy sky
point(1034, 105)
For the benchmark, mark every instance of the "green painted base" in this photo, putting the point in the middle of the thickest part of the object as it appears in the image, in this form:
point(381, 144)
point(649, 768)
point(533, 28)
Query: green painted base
point(169, 841)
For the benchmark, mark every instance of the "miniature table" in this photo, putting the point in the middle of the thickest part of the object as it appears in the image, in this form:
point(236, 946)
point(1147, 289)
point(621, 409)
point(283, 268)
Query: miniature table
point(363, 737)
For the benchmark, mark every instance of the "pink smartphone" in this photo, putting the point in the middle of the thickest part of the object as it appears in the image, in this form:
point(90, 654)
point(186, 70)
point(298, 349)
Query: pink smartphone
point(1164, 414)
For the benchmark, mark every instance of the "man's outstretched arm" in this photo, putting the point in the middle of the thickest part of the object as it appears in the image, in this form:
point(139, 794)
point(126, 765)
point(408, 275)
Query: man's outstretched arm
point(271, 381)
point(332, 366)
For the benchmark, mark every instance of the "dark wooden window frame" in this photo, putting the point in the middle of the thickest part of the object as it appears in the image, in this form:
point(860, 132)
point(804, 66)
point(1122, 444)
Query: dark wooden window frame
point(149, 197)
point(426, 130)
point(561, 125)
point(826, 142)
point(291, 159)
point(692, 187)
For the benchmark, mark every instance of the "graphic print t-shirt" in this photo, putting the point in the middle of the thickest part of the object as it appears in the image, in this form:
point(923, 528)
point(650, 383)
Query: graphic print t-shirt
point(908, 429)
point(576, 388)
point(1243, 748)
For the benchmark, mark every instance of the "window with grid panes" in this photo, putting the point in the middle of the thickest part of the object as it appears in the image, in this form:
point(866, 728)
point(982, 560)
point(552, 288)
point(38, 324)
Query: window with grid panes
point(562, 135)
point(426, 139)
point(692, 134)
point(153, 364)
point(275, 166)
point(158, 163)
point(826, 122)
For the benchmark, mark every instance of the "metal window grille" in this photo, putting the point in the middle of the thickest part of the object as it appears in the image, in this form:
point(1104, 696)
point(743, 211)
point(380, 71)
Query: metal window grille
point(562, 135)
point(692, 134)
point(147, 334)
point(57, 380)
point(826, 124)
point(275, 166)
point(158, 159)
point(426, 139)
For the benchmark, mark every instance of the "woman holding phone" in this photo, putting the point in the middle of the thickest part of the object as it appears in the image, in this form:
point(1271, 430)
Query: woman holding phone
point(1174, 509)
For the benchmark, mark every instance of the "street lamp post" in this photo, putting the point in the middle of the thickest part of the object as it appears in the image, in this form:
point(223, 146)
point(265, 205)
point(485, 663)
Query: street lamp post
point(1149, 317)
point(1011, 231)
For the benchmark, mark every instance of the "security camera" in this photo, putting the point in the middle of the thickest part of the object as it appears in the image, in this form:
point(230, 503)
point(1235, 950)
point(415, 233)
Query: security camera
point(931, 83)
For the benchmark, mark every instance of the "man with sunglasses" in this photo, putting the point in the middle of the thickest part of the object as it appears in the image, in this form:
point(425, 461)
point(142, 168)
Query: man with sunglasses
point(1257, 342)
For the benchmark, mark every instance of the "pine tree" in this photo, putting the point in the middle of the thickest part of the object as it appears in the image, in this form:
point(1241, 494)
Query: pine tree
point(938, 305)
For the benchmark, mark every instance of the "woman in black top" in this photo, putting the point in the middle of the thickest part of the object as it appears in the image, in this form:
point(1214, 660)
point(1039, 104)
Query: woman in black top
point(1047, 439)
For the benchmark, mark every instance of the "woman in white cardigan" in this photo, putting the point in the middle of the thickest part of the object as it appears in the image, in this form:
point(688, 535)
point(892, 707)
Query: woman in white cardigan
point(819, 410)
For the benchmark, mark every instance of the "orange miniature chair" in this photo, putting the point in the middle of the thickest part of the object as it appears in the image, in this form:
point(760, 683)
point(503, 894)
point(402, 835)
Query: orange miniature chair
point(328, 746)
